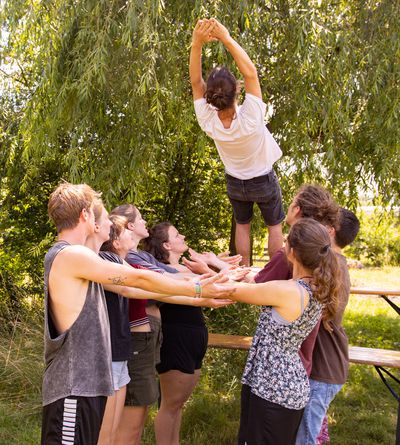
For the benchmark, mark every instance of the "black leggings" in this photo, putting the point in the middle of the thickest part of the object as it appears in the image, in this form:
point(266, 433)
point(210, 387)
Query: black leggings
point(266, 423)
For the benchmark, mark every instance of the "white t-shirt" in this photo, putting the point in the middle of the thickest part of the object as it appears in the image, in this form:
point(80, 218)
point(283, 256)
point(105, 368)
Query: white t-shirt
point(246, 148)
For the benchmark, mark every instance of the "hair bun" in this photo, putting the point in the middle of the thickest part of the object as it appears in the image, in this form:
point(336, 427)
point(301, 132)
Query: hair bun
point(217, 96)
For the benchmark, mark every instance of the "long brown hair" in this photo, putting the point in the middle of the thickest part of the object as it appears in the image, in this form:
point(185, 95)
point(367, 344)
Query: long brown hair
point(312, 248)
point(154, 243)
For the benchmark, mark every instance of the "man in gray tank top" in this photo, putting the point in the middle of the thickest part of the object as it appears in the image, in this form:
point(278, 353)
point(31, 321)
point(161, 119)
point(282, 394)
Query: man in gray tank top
point(78, 375)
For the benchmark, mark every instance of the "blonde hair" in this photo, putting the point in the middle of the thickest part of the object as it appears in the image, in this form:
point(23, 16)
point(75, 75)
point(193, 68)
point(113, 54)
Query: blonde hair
point(67, 202)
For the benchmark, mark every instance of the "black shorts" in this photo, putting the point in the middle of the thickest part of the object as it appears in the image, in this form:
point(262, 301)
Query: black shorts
point(183, 348)
point(262, 190)
point(73, 421)
point(266, 423)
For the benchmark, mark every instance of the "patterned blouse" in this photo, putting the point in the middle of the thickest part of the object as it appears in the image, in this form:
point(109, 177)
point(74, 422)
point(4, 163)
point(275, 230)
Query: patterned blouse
point(274, 370)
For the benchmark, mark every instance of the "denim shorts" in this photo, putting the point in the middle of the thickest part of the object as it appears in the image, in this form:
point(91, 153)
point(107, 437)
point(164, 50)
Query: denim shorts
point(263, 190)
point(120, 374)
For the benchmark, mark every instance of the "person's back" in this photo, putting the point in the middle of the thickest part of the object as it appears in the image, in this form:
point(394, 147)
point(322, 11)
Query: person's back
point(77, 377)
point(73, 366)
point(269, 373)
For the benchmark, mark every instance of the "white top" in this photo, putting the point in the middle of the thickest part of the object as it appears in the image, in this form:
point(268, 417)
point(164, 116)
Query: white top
point(246, 148)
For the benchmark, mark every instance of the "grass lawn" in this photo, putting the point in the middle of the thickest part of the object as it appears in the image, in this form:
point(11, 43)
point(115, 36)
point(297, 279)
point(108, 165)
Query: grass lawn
point(363, 413)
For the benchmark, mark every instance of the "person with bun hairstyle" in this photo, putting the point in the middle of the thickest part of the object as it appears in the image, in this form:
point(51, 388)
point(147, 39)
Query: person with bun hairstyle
point(244, 143)
point(276, 387)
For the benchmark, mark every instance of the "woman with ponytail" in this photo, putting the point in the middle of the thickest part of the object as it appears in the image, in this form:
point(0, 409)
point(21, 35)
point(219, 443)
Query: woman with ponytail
point(244, 143)
point(275, 384)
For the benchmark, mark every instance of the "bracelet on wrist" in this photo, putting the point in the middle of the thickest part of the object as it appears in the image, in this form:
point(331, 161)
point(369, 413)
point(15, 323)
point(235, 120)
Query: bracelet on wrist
point(197, 289)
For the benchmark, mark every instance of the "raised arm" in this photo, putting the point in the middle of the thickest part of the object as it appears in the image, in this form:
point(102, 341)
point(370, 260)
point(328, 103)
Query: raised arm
point(243, 61)
point(201, 35)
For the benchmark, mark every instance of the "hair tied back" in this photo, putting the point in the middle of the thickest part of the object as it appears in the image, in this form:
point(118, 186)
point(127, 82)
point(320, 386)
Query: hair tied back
point(324, 250)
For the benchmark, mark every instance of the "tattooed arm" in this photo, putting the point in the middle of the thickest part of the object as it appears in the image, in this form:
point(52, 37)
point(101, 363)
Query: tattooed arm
point(82, 263)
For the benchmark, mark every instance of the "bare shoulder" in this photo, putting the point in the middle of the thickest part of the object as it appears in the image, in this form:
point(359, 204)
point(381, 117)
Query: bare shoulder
point(282, 291)
point(73, 258)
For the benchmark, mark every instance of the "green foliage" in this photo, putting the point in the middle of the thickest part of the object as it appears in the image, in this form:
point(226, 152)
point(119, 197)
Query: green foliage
point(98, 91)
point(378, 242)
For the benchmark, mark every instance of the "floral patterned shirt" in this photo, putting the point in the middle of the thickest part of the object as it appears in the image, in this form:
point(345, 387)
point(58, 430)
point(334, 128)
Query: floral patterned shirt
point(274, 370)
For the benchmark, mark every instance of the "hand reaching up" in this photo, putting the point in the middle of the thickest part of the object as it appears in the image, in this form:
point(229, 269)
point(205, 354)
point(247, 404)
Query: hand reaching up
point(202, 32)
point(219, 32)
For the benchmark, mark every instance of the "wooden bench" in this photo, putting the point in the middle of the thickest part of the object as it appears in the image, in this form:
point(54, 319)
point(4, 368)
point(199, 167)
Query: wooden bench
point(357, 354)
point(381, 293)
point(379, 358)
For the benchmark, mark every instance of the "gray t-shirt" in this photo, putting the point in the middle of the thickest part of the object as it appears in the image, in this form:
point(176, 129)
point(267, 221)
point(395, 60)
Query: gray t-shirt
point(78, 361)
point(146, 259)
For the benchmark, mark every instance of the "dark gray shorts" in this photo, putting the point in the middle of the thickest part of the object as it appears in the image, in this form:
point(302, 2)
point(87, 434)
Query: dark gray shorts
point(262, 190)
point(142, 390)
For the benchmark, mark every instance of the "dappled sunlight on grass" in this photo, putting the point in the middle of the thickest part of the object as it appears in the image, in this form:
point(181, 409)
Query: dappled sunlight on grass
point(373, 277)
point(364, 412)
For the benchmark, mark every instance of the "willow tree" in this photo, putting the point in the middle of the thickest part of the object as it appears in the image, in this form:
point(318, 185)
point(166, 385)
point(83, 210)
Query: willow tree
point(99, 92)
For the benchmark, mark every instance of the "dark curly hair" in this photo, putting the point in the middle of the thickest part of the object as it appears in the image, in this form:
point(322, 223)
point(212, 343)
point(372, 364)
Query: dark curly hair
point(158, 235)
point(221, 88)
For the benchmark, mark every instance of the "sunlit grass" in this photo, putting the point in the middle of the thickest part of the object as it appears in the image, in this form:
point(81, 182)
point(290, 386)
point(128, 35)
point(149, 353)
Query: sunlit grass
point(364, 412)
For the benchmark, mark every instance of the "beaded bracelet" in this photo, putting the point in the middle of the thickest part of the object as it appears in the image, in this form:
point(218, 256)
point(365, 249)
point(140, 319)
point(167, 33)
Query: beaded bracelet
point(197, 289)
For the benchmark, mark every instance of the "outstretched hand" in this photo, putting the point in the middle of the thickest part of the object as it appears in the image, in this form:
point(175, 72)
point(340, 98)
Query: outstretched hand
point(217, 303)
point(216, 287)
point(235, 273)
point(202, 32)
point(196, 266)
point(234, 260)
point(206, 257)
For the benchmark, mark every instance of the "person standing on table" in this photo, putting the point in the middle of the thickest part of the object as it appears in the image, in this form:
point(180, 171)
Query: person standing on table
point(244, 143)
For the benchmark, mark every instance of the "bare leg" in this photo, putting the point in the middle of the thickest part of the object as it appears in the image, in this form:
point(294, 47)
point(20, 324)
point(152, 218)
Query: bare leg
point(275, 239)
point(176, 388)
point(242, 242)
point(131, 426)
point(108, 420)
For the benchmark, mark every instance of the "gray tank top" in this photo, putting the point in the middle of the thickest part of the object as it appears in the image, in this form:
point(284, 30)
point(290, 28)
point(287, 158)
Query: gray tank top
point(78, 361)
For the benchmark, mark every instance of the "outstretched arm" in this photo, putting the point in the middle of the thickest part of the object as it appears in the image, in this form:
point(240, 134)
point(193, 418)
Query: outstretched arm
point(131, 292)
point(201, 35)
point(243, 61)
point(79, 262)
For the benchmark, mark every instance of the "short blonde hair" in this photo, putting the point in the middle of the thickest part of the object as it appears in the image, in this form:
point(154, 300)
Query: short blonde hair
point(67, 202)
